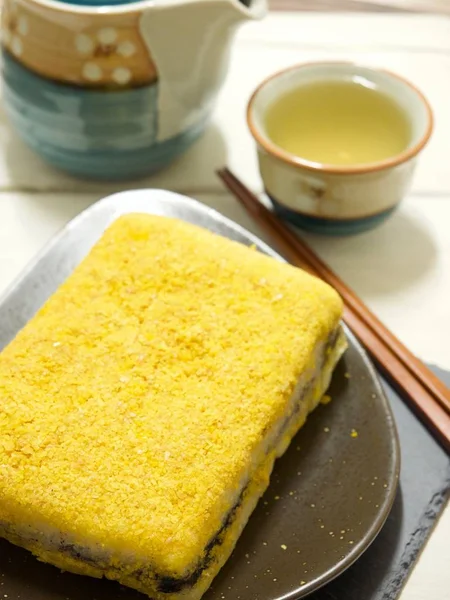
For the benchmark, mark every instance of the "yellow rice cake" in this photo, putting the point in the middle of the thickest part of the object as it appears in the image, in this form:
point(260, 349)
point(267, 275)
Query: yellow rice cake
point(142, 408)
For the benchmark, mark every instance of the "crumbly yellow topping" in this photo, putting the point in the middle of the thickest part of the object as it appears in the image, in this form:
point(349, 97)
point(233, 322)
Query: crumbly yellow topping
point(133, 402)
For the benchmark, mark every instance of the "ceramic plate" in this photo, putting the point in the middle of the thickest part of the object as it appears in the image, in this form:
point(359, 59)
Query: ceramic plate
point(330, 493)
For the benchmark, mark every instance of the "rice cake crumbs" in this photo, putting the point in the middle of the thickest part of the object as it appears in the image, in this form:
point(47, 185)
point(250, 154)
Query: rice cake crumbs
point(160, 311)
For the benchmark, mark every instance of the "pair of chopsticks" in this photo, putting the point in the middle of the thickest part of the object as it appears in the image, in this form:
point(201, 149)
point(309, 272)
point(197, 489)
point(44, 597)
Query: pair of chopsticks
point(424, 392)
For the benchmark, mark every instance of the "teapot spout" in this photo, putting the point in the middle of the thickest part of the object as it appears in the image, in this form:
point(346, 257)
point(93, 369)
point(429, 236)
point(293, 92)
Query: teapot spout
point(190, 42)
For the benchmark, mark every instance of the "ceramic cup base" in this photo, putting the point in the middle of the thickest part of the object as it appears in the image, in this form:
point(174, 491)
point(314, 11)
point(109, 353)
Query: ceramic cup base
point(330, 226)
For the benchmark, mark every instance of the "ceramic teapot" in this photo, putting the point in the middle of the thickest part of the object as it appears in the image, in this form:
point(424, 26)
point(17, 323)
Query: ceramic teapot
point(116, 90)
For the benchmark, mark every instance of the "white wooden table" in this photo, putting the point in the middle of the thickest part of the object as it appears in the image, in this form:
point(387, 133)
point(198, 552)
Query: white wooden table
point(402, 269)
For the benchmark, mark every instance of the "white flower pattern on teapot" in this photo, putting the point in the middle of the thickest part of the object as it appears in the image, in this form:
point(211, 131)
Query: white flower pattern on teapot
point(15, 27)
point(104, 44)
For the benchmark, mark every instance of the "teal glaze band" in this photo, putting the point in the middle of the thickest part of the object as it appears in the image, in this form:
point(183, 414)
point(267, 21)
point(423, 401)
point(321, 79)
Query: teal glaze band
point(97, 134)
point(330, 226)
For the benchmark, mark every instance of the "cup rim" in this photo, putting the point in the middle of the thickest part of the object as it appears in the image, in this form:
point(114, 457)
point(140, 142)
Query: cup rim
point(90, 10)
point(297, 161)
point(134, 6)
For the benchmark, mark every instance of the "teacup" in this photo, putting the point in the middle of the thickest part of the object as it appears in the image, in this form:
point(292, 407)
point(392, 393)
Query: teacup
point(332, 198)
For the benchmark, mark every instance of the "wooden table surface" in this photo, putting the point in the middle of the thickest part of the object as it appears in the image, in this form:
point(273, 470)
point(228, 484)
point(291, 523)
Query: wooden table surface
point(428, 6)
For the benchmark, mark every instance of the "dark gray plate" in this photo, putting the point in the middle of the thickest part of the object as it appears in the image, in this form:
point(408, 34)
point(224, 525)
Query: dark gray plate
point(330, 493)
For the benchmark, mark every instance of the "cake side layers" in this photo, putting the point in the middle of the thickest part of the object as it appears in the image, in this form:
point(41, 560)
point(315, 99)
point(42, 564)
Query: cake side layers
point(132, 571)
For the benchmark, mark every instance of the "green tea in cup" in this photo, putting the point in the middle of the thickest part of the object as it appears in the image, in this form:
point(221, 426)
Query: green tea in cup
point(345, 122)
point(337, 143)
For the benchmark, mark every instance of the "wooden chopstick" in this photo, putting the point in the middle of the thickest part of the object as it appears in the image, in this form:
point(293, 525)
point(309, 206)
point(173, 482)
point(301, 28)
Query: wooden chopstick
point(426, 394)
